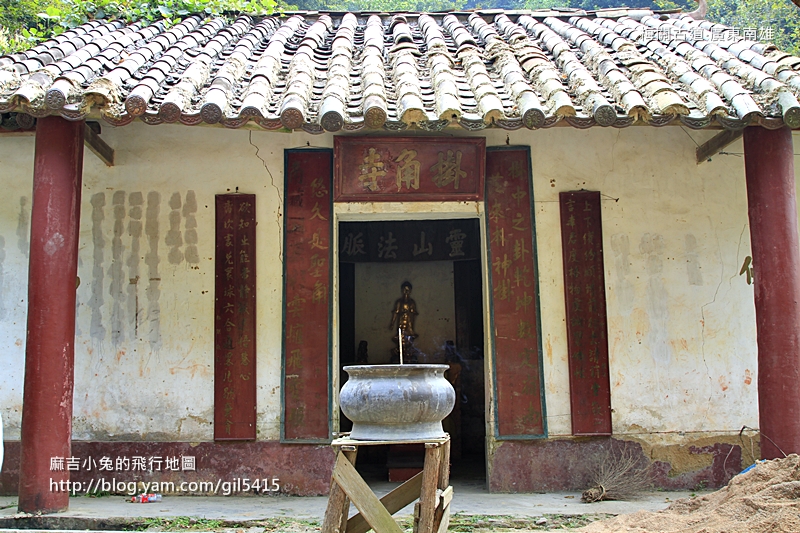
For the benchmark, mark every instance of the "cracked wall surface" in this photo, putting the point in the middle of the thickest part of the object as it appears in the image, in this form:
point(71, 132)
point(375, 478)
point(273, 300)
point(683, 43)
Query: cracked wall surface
point(681, 319)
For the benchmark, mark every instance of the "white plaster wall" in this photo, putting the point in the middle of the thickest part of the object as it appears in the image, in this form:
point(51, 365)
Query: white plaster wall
point(681, 319)
point(16, 160)
point(377, 288)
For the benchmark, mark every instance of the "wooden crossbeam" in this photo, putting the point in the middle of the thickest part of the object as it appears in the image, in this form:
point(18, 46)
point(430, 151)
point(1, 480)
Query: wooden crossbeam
point(98, 146)
point(716, 144)
point(393, 502)
point(363, 498)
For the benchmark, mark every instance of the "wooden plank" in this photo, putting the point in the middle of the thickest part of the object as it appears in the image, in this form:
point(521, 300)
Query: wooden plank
point(587, 318)
point(430, 480)
point(445, 523)
point(307, 257)
point(338, 503)
point(517, 358)
point(393, 502)
point(392, 169)
point(336, 510)
point(350, 454)
point(98, 146)
point(716, 143)
point(363, 498)
point(444, 467)
point(235, 329)
point(442, 515)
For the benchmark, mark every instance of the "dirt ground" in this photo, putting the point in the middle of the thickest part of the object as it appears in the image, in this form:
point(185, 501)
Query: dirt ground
point(765, 499)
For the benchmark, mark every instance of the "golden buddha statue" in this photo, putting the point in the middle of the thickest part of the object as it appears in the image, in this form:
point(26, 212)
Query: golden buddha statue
point(403, 315)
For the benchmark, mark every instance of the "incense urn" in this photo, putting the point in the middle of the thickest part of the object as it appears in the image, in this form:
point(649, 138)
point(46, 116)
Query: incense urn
point(397, 402)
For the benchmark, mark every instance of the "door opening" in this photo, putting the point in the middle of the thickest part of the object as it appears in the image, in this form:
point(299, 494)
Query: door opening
point(441, 261)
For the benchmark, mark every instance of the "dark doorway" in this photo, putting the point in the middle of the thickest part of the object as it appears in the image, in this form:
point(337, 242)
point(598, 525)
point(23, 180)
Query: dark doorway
point(447, 280)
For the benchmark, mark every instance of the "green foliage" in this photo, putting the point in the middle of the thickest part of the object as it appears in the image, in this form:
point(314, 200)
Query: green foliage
point(25, 22)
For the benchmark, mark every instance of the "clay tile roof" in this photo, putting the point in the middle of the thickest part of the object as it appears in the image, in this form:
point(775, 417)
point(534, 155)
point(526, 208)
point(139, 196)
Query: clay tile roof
point(330, 72)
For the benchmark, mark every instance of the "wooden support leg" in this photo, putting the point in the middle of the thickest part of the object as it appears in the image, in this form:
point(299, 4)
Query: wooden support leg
point(430, 483)
point(338, 503)
point(441, 519)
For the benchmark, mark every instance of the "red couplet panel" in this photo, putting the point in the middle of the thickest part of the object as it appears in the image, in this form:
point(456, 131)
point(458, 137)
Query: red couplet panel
point(408, 169)
point(306, 297)
point(585, 295)
point(517, 358)
point(235, 318)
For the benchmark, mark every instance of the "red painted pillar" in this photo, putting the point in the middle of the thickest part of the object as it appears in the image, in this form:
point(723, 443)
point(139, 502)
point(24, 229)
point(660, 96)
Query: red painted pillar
point(52, 275)
point(772, 208)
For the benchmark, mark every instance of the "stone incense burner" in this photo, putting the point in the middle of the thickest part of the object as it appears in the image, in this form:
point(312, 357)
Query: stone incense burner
point(397, 402)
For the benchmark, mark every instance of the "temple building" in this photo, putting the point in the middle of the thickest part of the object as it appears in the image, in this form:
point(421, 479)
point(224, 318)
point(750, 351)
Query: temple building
point(595, 213)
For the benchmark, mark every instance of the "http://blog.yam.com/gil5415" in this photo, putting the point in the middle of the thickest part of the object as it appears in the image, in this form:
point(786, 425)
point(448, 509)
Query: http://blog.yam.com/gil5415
point(108, 469)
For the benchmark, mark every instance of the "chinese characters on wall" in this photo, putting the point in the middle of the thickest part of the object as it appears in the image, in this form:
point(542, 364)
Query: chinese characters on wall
point(408, 169)
point(585, 295)
point(235, 318)
point(408, 241)
point(514, 299)
point(307, 263)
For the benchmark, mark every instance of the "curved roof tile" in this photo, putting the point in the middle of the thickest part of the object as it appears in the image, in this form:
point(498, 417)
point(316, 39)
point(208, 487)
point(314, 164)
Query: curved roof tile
point(331, 72)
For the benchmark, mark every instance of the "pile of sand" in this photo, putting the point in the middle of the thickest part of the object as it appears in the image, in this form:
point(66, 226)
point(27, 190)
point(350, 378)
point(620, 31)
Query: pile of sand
point(765, 499)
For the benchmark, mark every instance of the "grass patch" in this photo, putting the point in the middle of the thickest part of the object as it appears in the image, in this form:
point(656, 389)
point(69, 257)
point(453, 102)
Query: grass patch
point(464, 523)
point(459, 523)
point(177, 523)
point(186, 523)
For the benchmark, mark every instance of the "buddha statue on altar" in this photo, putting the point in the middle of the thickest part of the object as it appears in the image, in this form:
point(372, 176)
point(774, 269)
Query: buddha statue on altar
point(402, 323)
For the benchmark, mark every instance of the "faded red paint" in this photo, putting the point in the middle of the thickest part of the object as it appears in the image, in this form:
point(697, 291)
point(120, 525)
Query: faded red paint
point(49, 363)
point(772, 208)
point(301, 469)
point(559, 465)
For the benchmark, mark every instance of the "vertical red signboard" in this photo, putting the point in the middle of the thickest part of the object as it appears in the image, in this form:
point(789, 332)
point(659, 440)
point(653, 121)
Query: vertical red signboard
point(519, 403)
point(307, 284)
point(585, 294)
point(235, 318)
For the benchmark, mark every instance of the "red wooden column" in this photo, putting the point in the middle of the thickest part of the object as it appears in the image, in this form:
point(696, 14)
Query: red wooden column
point(769, 168)
point(52, 275)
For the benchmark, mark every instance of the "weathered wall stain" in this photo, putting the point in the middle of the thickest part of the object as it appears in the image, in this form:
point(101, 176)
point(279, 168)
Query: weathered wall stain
point(23, 226)
point(135, 201)
point(116, 291)
point(153, 291)
point(652, 246)
point(97, 328)
point(174, 239)
point(620, 245)
point(692, 260)
point(553, 464)
point(190, 227)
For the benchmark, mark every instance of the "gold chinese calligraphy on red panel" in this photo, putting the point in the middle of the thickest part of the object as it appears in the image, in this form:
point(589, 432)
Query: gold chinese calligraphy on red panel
point(408, 169)
point(517, 359)
point(235, 318)
point(307, 282)
point(585, 296)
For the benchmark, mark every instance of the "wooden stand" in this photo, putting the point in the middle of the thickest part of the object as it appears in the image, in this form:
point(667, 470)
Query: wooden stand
point(431, 486)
